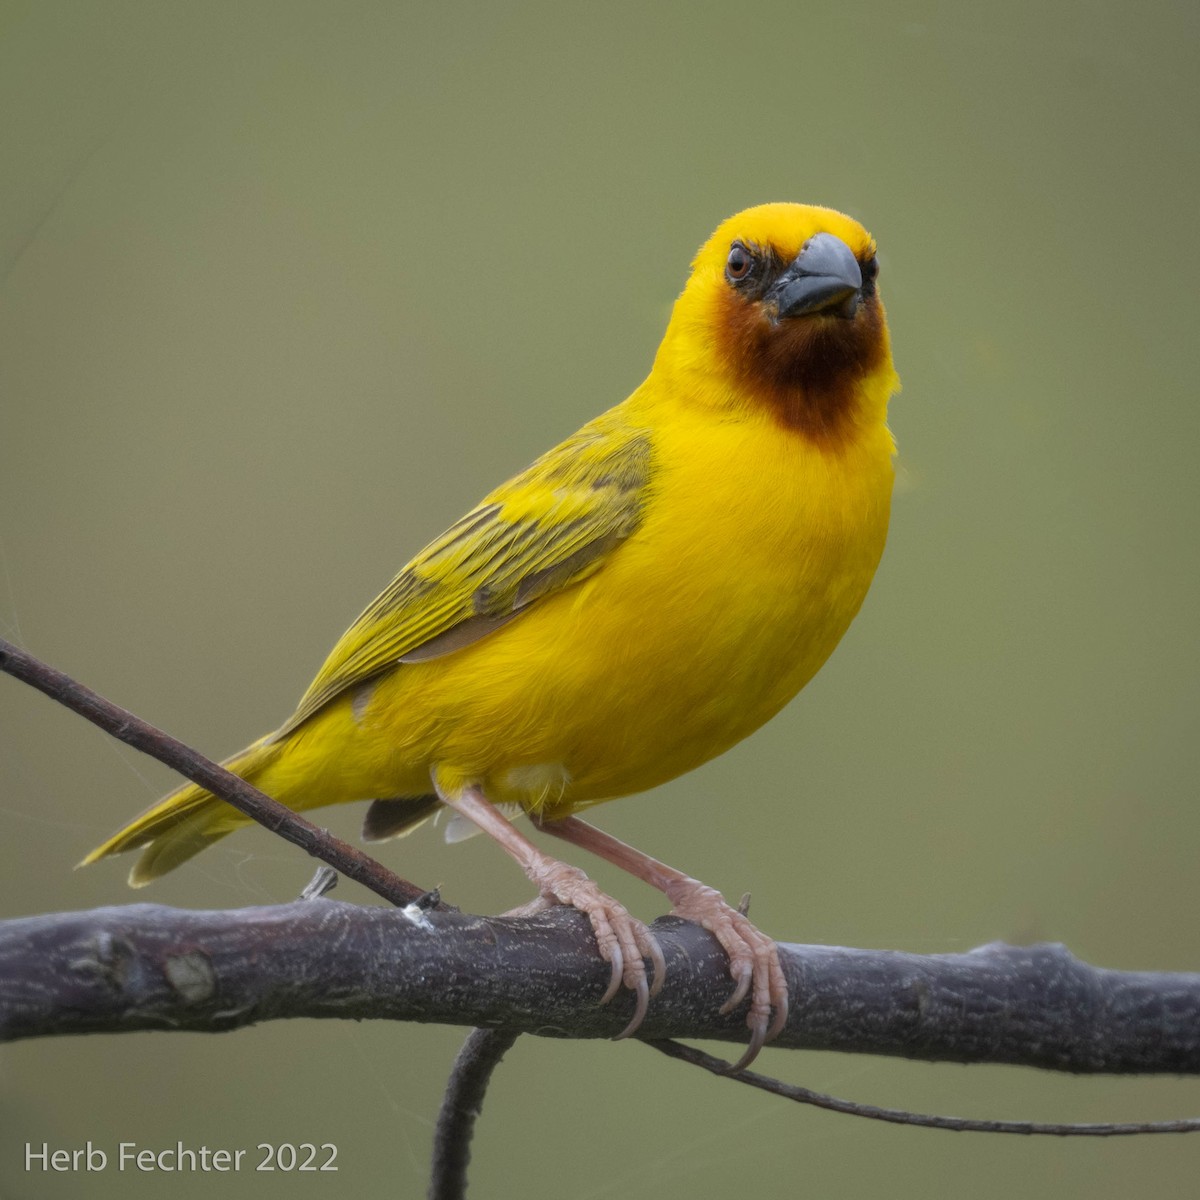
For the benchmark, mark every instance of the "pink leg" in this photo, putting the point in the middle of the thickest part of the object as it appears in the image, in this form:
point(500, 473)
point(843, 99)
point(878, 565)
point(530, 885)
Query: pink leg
point(753, 957)
point(623, 940)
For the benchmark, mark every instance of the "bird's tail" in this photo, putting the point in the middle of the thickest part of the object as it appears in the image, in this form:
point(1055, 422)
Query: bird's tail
point(397, 818)
point(186, 821)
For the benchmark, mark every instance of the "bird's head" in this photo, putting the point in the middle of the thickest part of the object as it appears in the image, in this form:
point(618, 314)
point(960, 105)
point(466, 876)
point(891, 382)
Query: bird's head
point(781, 312)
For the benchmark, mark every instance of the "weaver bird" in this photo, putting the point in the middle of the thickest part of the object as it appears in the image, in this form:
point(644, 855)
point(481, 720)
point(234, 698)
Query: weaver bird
point(638, 600)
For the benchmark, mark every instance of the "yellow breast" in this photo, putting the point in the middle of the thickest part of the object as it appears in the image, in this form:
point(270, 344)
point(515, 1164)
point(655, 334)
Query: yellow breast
point(755, 553)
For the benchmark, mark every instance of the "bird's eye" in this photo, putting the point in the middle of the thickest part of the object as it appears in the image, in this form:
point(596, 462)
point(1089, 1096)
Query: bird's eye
point(739, 263)
point(869, 270)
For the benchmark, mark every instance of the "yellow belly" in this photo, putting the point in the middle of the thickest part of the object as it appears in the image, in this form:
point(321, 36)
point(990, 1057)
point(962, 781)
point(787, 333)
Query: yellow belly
point(695, 632)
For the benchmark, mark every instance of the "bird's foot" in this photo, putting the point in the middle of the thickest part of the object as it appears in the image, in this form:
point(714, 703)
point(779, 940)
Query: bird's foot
point(623, 940)
point(753, 960)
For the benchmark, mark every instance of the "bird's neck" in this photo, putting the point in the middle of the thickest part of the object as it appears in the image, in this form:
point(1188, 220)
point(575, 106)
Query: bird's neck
point(833, 410)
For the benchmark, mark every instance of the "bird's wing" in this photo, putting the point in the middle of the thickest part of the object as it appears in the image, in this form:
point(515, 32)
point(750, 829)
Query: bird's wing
point(549, 527)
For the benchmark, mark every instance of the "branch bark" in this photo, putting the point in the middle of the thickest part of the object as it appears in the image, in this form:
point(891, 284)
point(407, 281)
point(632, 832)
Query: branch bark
point(152, 967)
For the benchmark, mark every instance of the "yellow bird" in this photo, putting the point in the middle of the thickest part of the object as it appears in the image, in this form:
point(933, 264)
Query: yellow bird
point(639, 599)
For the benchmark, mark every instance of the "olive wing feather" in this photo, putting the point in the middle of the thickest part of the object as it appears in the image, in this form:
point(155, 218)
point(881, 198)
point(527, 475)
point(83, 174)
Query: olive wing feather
point(547, 528)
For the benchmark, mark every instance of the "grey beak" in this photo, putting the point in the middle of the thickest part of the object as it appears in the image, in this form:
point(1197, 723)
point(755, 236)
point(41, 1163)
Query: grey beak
point(824, 275)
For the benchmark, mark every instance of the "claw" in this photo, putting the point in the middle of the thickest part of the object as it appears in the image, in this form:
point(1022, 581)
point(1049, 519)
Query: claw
point(744, 978)
point(758, 1038)
point(642, 992)
point(654, 953)
point(779, 995)
point(635, 943)
point(617, 962)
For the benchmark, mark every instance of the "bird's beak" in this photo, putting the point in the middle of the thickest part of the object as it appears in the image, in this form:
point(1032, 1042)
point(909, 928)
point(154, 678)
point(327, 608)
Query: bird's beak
point(825, 276)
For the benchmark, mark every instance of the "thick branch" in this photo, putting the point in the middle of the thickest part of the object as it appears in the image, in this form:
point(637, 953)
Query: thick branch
point(151, 967)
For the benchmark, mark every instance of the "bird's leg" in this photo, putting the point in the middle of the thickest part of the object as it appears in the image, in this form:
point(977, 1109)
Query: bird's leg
point(623, 940)
point(753, 957)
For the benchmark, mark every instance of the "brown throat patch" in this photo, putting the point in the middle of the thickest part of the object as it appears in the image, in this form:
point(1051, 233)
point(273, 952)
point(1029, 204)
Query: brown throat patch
point(806, 369)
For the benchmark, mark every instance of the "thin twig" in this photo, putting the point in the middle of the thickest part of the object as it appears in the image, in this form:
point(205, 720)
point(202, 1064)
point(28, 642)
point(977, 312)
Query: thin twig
point(898, 1116)
point(461, 1105)
point(324, 881)
point(139, 734)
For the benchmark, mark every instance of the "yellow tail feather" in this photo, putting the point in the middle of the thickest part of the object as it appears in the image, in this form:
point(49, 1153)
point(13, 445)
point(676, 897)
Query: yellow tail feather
point(185, 822)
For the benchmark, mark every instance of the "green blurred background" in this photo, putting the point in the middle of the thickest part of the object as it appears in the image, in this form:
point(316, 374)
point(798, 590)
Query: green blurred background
point(286, 286)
